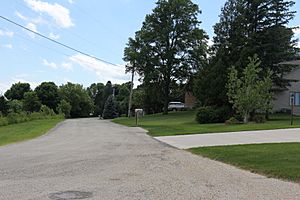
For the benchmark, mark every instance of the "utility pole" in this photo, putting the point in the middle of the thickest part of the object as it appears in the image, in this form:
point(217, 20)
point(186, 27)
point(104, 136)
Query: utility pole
point(131, 92)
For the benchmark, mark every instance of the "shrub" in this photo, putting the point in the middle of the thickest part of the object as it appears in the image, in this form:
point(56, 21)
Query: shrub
point(3, 121)
point(209, 114)
point(232, 120)
point(46, 111)
point(259, 119)
point(206, 115)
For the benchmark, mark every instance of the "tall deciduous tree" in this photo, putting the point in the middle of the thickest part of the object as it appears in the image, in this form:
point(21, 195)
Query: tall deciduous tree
point(77, 96)
point(48, 94)
point(17, 91)
point(96, 92)
point(169, 47)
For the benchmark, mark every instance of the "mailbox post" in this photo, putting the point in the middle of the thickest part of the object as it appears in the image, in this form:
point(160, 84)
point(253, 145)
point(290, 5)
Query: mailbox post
point(138, 113)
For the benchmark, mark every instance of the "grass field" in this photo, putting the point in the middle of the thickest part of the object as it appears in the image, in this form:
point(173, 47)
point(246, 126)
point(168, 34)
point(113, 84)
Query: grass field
point(181, 123)
point(273, 160)
point(25, 131)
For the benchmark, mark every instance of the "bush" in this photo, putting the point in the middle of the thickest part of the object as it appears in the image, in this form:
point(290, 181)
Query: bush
point(46, 111)
point(212, 115)
point(3, 121)
point(232, 120)
point(206, 115)
point(259, 119)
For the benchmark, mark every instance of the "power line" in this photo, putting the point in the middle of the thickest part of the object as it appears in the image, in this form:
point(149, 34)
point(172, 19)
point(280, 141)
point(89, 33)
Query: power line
point(59, 43)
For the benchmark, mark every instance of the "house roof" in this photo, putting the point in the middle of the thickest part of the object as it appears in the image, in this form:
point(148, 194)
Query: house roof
point(293, 62)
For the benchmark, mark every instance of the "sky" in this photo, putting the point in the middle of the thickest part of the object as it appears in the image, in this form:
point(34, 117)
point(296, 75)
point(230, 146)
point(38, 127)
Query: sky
point(99, 28)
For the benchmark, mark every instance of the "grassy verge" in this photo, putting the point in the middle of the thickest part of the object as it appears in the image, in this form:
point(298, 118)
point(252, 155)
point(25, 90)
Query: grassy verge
point(273, 160)
point(25, 131)
point(181, 123)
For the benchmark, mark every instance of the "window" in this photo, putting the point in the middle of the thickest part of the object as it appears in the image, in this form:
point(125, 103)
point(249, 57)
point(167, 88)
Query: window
point(296, 96)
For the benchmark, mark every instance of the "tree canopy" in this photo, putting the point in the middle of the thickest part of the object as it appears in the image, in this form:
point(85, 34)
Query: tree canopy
point(169, 47)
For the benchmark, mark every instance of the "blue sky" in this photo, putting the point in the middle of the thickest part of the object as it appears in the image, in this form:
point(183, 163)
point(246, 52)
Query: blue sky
point(100, 28)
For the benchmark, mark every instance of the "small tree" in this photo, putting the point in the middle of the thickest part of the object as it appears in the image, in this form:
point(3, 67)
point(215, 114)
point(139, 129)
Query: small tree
point(110, 108)
point(250, 92)
point(64, 108)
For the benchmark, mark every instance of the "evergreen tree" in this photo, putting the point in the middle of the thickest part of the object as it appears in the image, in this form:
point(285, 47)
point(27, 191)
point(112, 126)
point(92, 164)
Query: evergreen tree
point(110, 108)
point(248, 27)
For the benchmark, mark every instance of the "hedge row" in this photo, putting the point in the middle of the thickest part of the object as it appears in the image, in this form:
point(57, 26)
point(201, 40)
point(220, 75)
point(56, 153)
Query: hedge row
point(15, 118)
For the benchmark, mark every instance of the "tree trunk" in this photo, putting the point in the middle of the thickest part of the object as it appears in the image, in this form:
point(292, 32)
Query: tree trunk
point(246, 118)
point(167, 96)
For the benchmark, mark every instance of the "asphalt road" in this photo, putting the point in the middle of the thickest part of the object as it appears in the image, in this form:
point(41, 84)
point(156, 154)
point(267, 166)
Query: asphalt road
point(109, 161)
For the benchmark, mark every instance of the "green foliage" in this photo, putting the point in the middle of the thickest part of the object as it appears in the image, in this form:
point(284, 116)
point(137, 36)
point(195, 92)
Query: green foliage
point(15, 106)
point(259, 119)
point(64, 108)
point(45, 110)
point(209, 114)
point(3, 121)
point(3, 106)
point(47, 93)
point(169, 47)
point(110, 110)
point(96, 92)
point(232, 120)
point(17, 91)
point(246, 28)
point(77, 96)
point(250, 92)
point(31, 102)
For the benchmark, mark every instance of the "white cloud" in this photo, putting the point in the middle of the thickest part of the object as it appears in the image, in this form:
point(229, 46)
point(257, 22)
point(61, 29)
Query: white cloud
point(6, 33)
point(8, 46)
point(49, 64)
point(32, 27)
point(60, 14)
point(297, 30)
point(105, 72)
point(53, 65)
point(67, 66)
point(21, 16)
point(71, 1)
point(54, 36)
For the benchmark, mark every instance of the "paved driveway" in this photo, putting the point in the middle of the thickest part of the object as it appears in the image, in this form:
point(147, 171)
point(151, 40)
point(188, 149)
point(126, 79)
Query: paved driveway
point(233, 138)
point(109, 161)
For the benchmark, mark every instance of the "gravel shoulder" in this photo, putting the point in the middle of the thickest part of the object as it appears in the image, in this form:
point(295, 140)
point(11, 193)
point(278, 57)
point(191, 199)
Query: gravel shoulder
point(111, 161)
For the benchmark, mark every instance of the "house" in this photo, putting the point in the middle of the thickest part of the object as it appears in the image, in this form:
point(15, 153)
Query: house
point(283, 98)
point(189, 100)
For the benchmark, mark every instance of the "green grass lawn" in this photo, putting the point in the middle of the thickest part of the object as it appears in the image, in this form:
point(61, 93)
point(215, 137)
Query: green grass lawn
point(181, 123)
point(25, 131)
point(273, 160)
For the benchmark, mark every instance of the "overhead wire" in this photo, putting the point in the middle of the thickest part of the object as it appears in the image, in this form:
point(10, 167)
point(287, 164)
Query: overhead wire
point(56, 42)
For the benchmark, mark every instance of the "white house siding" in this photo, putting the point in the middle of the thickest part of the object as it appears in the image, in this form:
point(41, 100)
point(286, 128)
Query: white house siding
point(282, 98)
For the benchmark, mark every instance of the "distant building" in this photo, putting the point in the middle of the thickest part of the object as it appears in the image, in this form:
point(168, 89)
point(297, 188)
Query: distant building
point(189, 100)
point(282, 98)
